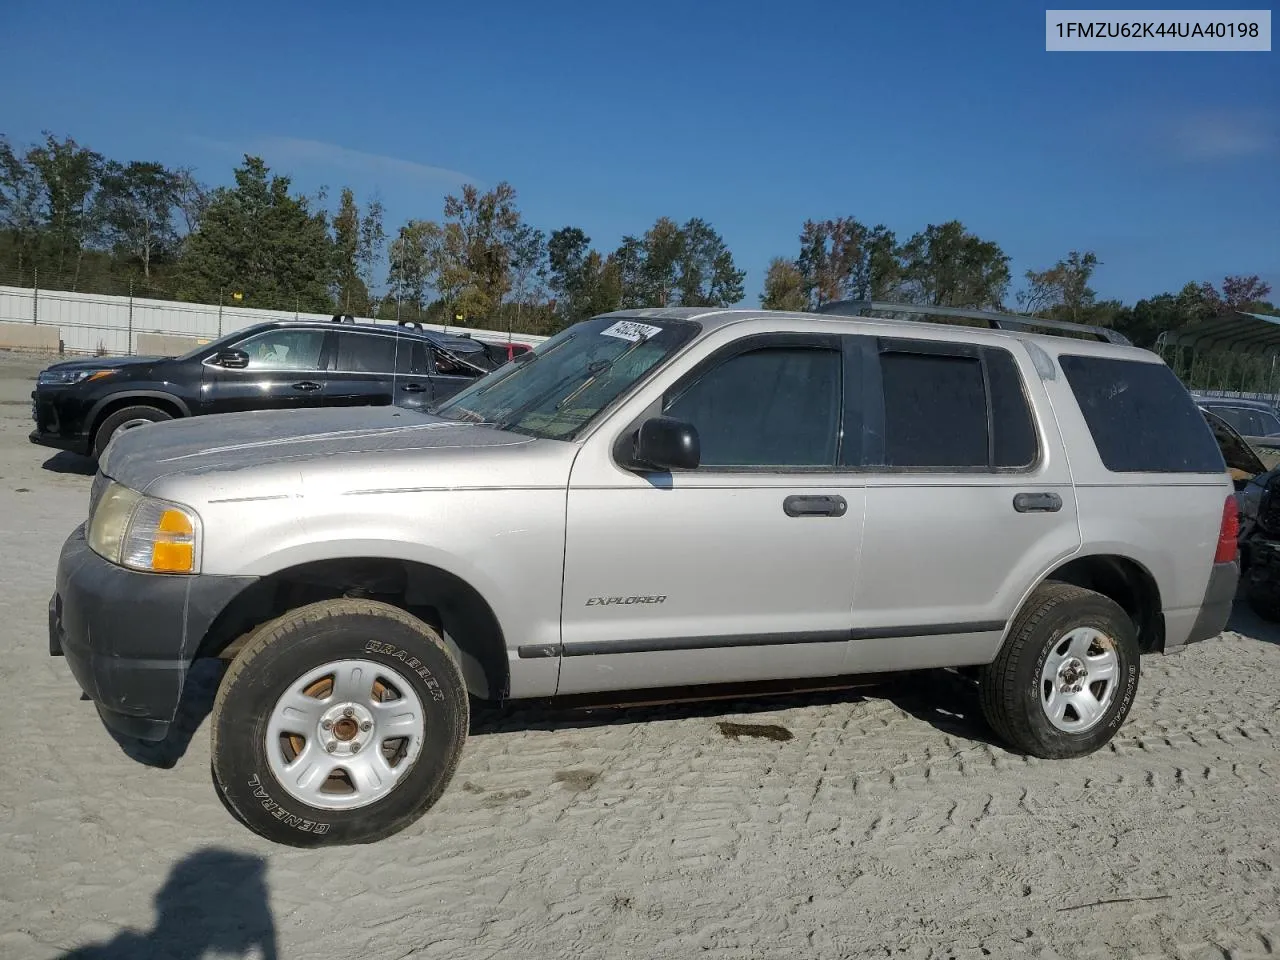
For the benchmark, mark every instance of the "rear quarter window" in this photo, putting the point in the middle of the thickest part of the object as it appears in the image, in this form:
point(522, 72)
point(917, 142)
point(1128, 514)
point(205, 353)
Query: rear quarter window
point(1142, 418)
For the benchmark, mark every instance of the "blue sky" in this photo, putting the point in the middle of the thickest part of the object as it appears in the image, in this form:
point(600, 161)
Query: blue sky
point(754, 116)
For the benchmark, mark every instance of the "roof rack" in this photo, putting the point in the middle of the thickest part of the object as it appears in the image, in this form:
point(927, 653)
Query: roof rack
point(997, 321)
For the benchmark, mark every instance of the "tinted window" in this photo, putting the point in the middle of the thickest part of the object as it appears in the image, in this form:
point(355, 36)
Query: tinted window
point(284, 350)
point(768, 407)
point(1247, 420)
point(1233, 416)
point(935, 411)
point(1014, 443)
point(411, 358)
point(1141, 417)
point(366, 353)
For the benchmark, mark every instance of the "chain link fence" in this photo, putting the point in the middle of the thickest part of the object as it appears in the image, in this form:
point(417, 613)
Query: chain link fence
point(110, 324)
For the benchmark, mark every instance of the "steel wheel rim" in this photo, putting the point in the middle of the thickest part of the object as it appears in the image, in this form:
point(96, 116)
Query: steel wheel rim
point(343, 735)
point(1079, 680)
point(127, 425)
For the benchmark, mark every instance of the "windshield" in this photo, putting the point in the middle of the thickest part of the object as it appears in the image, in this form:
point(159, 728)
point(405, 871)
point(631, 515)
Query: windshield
point(559, 388)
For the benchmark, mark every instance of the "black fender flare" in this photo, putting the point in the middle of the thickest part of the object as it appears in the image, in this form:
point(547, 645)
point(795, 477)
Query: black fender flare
point(95, 412)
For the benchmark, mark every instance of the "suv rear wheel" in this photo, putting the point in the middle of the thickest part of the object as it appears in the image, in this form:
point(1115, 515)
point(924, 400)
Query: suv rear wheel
point(1066, 677)
point(340, 722)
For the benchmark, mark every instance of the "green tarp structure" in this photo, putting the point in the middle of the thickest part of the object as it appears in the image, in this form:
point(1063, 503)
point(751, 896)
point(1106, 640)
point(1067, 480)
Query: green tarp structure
point(1253, 333)
point(1233, 351)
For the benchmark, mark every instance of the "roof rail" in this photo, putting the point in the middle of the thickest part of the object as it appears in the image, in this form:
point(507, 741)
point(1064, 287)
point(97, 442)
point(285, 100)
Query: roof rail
point(998, 321)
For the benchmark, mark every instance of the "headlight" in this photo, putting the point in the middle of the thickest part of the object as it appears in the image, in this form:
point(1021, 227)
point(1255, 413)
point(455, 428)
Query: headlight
point(71, 376)
point(144, 533)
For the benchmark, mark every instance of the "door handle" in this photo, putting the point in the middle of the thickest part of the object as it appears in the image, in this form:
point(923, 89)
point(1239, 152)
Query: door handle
point(306, 385)
point(1037, 502)
point(815, 506)
point(414, 388)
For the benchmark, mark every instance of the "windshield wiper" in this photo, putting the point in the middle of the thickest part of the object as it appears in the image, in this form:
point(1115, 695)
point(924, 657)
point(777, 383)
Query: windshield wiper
point(533, 357)
point(599, 367)
point(520, 411)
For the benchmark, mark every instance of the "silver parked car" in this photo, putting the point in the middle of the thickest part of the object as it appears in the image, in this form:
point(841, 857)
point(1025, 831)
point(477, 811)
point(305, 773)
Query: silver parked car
point(651, 498)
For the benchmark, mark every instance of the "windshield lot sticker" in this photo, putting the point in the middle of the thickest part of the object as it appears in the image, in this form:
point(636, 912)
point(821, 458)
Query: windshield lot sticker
point(630, 330)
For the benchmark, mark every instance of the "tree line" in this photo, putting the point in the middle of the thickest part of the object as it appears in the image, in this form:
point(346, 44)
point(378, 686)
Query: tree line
point(71, 218)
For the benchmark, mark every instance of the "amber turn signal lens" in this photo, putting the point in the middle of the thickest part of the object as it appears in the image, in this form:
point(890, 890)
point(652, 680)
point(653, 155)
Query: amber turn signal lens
point(175, 522)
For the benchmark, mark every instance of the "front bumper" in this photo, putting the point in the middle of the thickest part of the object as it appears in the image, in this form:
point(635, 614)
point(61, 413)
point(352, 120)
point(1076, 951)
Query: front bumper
point(130, 637)
point(59, 442)
point(58, 420)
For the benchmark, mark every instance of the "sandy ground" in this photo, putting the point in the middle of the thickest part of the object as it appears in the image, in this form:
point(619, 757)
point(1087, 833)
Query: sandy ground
point(886, 826)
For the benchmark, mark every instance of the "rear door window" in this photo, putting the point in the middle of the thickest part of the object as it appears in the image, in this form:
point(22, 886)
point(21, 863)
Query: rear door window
point(365, 353)
point(954, 407)
point(1142, 418)
point(935, 411)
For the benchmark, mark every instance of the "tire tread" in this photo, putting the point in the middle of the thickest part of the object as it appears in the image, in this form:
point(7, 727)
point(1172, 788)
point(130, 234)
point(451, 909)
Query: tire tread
point(999, 687)
point(279, 629)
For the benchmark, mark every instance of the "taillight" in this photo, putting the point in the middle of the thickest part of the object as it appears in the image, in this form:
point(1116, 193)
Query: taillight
point(1229, 534)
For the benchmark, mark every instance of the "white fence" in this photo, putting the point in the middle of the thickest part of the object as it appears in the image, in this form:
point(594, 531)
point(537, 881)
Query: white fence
point(94, 323)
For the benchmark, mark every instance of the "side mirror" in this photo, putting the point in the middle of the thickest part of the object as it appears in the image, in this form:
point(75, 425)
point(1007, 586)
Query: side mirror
point(667, 443)
point(231, 359)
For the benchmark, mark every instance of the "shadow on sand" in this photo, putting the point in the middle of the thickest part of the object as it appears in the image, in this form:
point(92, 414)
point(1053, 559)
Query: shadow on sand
point(214, 903)
point(1244, 620)
point(67, 462)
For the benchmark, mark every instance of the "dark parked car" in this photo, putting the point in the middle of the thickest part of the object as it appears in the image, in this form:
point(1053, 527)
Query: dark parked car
point(1255, 420)
point(79, 405)
point(1258, 497)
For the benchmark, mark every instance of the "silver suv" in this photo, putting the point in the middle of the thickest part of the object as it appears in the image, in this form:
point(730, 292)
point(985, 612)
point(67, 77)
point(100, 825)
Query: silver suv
point(652, 498)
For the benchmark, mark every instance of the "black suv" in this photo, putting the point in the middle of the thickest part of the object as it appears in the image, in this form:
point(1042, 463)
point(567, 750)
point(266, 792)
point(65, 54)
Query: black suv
point(79, 405)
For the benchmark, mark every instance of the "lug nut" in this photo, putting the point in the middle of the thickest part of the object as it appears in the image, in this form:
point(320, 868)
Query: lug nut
point(326, 724)
point(355, 745)
point(367, 725)
point(348, 712)
point(331, 746)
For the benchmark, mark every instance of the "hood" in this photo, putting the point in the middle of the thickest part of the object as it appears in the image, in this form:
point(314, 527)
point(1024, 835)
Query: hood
point(239, 441)
point(104, 363)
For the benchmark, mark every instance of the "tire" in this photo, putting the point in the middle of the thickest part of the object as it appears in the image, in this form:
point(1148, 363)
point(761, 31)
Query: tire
point(255, 737)
point(124, 419)
point(1265, 603)
point(1052, 640)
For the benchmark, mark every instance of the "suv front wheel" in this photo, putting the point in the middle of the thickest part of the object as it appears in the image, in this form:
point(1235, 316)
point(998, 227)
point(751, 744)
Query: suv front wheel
point(339, 722)
point(121, 420)
point(1066, 677)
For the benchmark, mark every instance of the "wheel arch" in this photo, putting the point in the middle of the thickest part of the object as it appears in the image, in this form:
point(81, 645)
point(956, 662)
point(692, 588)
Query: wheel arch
point(1120, 578)
point(167, 402)
point(437, 596)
